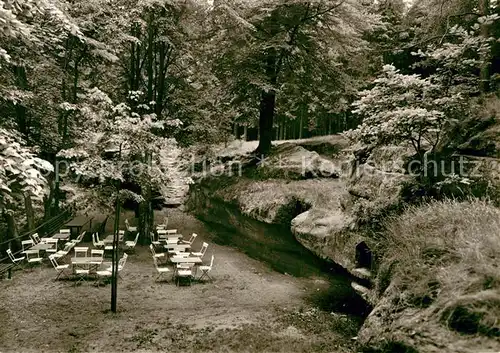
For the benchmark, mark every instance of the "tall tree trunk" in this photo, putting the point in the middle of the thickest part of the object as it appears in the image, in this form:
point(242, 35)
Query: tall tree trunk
point(484, 10)
point(145, 209)
point(62, 118)
point(301, 126)
point(136, 69)
point(56, 197)
point(12, 231)
point(245, 132)
point(267, 106)
point(161, 79)
point(150, 62)
point(76, 76)
point(22, 83)
point(74, 99)
point(132, 67)
point(137, 72)
point(30, 215)
point(47, 201)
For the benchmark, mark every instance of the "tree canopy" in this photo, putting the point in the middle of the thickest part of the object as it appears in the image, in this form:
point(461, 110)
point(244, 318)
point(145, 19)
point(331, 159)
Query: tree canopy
point(107, 85)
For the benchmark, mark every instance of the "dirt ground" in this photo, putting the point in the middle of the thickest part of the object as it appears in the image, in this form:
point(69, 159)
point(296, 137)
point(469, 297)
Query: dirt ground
point(247, 308)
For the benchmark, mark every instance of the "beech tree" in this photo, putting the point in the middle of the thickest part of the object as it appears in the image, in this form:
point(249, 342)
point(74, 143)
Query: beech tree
point(21, 177)
point(25, 29)
point(422, 111)
point(270, 44)
point(400, 108)
point(117, 145)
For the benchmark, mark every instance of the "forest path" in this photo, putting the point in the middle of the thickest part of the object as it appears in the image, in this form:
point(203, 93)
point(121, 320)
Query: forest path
point(247, 308)
point(176, 190)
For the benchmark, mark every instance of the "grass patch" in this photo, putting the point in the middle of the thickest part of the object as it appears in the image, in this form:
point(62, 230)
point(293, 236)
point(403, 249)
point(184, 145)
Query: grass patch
point(446, 254)
point(474, 314)
point(315, 321)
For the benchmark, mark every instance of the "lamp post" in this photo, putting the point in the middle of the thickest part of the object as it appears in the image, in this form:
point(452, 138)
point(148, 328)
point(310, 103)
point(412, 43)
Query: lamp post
point(114, 259)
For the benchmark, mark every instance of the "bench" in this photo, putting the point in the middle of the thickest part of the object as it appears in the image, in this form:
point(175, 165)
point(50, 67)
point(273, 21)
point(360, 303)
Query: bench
point(6, 268)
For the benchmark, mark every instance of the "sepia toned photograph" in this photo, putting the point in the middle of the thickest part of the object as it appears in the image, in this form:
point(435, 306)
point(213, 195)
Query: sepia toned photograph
point(250, 176)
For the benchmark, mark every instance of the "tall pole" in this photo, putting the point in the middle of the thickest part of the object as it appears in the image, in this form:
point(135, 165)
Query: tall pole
point(114, 259)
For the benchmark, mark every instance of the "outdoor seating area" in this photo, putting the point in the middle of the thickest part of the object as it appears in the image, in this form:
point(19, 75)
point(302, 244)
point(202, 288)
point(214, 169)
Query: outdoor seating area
point(175, 258)
point(178, 257)
point(72, 308)
point(71, 260)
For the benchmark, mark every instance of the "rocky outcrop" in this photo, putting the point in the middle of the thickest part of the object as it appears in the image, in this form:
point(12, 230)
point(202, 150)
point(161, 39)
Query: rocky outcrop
point(297, 162)
point(324, 210)
point(327, 212)
point(433, 293)
point(416, 330)
point(372, 182)
point(324, 232)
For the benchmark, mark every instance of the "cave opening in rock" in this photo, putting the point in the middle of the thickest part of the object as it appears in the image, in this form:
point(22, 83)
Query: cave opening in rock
point(363, 255)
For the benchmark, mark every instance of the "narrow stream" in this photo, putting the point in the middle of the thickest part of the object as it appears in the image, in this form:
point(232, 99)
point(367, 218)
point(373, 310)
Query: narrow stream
point(276, 246)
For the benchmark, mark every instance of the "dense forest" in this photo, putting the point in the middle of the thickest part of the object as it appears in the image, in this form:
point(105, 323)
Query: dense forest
point(107, 84)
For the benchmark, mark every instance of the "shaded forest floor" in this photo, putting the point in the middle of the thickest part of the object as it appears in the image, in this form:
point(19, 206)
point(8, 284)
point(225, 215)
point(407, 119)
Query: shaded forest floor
point(240, 147)
point(247, 308)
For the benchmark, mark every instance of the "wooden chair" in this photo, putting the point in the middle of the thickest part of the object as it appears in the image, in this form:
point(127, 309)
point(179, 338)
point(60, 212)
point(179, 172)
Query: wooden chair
point(81, 251)
point(79, 238)
point(53, 242)
point(33, 257)
point(35, 238)
point(183, 271)
point(129, 228)
point(26, 244)
point(16, 260)
point(202, 252)
point(160, 270)
point(65, 251)
point(97, 243)
point(191, 240)
point(60, 269)
point(206, 269)
point(156, 255)
point(130, 245)
point(153, 241)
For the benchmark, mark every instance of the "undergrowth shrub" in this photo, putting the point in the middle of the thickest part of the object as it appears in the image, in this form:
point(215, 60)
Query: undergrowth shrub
point(446, 253)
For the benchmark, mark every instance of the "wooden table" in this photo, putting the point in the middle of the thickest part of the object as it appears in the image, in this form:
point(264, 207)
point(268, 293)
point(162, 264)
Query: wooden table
point(77, 223)
point(91, 262)
point(170, 241)
point(180, 260)
point(177, 247)
point(169, 237)
point(41, 246)
point(109, 238)
point(61, 236)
